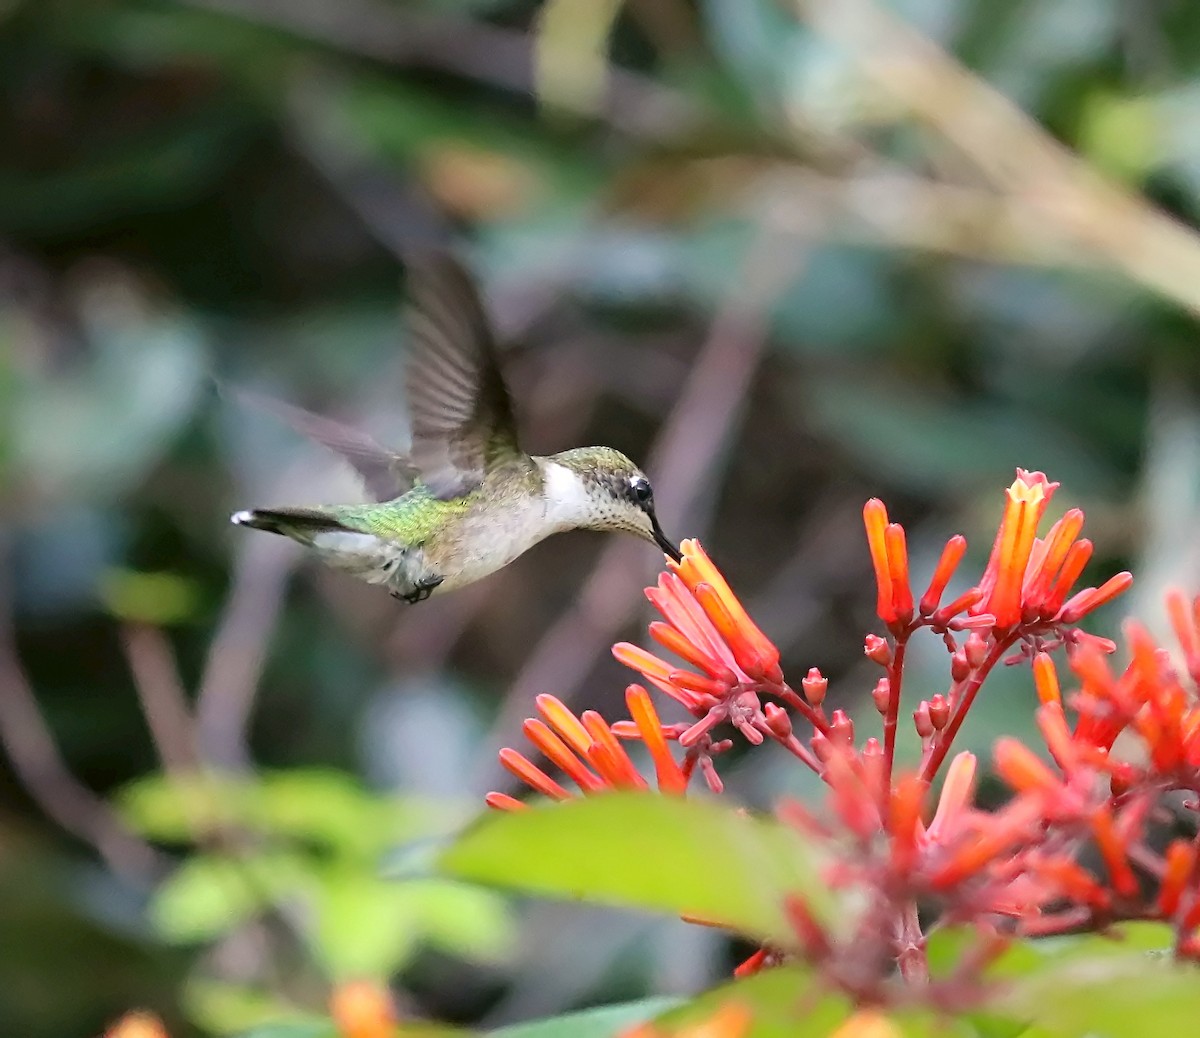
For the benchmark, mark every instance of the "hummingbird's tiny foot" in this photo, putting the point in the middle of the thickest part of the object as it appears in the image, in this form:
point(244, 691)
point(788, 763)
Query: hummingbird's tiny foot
point(421, 590)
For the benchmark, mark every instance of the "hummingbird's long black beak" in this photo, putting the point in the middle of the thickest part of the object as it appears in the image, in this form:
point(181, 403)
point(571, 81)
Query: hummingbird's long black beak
point(662, 540)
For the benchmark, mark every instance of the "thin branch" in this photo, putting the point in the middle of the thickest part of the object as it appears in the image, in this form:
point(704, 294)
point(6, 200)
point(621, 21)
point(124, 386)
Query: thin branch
point(162, 695)
point(903, 210)
point(39, 766)
point(1013, 151)
point(238, 649)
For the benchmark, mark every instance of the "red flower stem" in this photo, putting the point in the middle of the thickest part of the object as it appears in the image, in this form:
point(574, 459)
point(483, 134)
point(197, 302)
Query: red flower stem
point(910, 948)
point(895, 673)
point(941, 746)
point(795, 747)
point(797, 702)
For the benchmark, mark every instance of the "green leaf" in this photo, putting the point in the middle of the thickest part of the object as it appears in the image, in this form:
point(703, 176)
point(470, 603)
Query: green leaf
point(786, 1002)
point(1030, 958)
point(600, 1022)
point(318, 805)
point(324, 1029)
point(298, 1029)
point(570, 60)
point(152, 598)
point(460, 919)
point(208, 896)
point(1109, 996)
point(221, 1007)
point(647, 851)
point(177, 810)
point(365, 926)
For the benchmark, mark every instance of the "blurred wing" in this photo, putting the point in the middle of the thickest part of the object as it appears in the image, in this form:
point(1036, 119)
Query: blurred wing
point(385, 473)
point(462, 420)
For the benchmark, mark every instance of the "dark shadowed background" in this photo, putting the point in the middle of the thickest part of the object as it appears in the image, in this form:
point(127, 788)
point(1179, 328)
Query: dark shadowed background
point(788, 255)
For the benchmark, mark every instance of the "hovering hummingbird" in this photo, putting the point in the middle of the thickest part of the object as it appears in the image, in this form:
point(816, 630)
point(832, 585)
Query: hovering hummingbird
point(466, 500)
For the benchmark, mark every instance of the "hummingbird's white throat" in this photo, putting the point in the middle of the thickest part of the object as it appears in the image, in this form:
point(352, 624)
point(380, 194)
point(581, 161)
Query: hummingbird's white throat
point(568, 501)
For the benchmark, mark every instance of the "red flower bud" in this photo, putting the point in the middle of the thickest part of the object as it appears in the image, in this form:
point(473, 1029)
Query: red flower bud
point(877, 650)
point(922, 721)
point(814, 687)
point(975, 649)
point(881, 695)
point(939, 711)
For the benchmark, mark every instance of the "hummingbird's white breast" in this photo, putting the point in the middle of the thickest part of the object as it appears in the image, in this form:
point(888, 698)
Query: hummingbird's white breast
point(493, 537)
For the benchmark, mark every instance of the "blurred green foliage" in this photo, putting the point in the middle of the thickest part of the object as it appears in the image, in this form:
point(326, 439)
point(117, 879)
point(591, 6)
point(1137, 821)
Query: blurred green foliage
point(200, 189)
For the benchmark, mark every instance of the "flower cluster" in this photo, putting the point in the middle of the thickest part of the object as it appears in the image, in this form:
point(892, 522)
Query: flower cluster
point(1077, 845)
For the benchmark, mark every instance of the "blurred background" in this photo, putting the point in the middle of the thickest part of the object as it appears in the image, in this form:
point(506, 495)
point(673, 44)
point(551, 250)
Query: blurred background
point(789, 255)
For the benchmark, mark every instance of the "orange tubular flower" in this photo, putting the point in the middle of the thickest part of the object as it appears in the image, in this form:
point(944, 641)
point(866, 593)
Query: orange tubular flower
point(1023, 770)
point(1045, 679)
point(958, 793)
point(588, 750)
point(952, 555)
point(889, 555)
point(137, 1025)
point(707, 626)
point(363, 1009)
point(1005, 575)
point(1028, 579)
point(1178, 863)
point(1185, 621)
point(753, 650)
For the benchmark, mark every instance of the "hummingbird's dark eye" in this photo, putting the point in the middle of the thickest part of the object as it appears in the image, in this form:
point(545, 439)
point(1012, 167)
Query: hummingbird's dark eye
point(640, 489)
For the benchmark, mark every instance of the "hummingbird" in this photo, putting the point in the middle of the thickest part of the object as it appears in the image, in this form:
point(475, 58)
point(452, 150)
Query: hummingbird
point(465, 500)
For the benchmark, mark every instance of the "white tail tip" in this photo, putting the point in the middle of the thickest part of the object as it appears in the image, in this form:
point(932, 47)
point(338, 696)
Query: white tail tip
point(241, 518)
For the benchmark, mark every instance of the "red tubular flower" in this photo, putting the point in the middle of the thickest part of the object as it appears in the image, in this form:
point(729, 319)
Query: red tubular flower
point(707, 626)
point(1047, 560)
point(1178, 864)
point(753, 650)
point(1113, 851)
point(1011, 826)
point(670, 777)
point(1185, 620)
point(662, 675)
point(588, 750)
point(952, 555)
point(1028, 579)
point(889, 555)
point(503, 802)
point(897, 549)
point(1093, 598)
point(904, 822)
point(760, 960)
point(1023, 770)
point(958, 793)
point(1004, 577)
point(555, 750)
point(1045, 679)
point(524, 769)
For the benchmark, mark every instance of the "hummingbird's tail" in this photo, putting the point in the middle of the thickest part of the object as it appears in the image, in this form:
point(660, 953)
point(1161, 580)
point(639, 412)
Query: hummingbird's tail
point(300, 524)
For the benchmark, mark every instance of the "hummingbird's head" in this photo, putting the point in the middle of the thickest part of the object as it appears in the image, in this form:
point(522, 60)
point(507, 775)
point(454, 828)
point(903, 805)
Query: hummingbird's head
point(598, 488)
